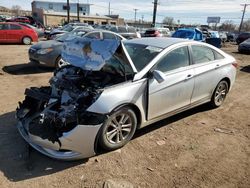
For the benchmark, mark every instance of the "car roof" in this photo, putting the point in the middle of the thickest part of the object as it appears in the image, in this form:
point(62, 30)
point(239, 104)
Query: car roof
point(160, 42)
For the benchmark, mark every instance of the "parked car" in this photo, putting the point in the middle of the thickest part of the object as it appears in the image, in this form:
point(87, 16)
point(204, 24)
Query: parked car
point(67, 28)
point(11, 32)
point(213, 38)
point(39, 31)
point(231, 37)
point(192, 34)
point(157, 32)
point(244, 47)
point(223, 36)
point(49, 52)
point(112, 88)
point(20, 19)
point(128, 32)
point(242, 37)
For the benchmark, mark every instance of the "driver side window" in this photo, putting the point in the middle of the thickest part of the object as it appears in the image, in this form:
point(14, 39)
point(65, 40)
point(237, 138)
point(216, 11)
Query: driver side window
point(173, 60)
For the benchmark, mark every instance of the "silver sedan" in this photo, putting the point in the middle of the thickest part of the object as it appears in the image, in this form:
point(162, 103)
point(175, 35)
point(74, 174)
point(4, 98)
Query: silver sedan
point(109, 88)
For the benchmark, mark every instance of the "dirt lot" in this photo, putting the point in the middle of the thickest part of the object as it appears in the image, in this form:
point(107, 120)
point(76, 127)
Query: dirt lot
point(182, 151)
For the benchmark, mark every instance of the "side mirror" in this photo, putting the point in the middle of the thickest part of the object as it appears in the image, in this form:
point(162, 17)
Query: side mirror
point(159, 76)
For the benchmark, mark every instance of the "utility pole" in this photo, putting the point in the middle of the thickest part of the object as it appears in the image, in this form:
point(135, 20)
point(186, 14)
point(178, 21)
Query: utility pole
point(135, 13)
point(78, 9)
point(109, 8)
point(154, 13)
point(68, 10)
point(242, 18)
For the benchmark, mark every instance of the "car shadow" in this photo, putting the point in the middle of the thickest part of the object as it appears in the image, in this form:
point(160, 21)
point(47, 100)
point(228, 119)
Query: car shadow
point(172, 119)
point(18, 160)
point(245, 69)
point(165, 122)
point(28, 163)
point(29, 68)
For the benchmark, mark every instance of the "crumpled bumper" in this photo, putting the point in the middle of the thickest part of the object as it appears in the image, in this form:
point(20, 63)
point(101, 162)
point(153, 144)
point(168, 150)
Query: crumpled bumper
point(76, 144)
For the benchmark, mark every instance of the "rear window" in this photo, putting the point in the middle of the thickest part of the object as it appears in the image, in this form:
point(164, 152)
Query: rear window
point(141, 55)
point(131, 30)
point(184, 34)
point(150, 32)
point(122, 30)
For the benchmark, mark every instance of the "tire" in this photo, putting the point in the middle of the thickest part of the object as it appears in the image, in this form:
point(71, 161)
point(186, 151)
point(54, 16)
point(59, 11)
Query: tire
point(26, 40)
point(118, 129)
point(219, 94)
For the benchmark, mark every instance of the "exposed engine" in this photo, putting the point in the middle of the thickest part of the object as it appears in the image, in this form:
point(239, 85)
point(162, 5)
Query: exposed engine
point(49, 111)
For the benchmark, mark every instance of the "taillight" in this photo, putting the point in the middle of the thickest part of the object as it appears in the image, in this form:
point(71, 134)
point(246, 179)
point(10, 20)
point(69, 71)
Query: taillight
point(157, 33)
point(235, 64)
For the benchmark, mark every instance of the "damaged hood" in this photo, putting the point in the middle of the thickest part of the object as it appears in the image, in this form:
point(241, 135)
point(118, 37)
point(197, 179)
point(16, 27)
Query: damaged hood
point(93, 54)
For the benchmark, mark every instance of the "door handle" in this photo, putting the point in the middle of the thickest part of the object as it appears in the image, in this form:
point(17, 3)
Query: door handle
point(217, 66)
point(189, 76)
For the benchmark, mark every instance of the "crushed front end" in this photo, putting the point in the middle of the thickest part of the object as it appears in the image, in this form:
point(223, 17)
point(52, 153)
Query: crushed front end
point(55, 119)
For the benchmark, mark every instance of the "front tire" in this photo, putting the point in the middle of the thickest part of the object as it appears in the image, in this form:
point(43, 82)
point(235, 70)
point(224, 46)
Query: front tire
point(27, 40)
point(118, 129)
point(219, 94)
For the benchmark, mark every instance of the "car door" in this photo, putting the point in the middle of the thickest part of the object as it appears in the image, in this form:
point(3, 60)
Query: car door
point(3, 32)
point(175, 91)
point(207, 66)
point(14, 33)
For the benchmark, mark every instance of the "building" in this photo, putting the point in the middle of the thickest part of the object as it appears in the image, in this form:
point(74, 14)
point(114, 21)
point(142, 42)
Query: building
point(60, 7)
point(55, 13)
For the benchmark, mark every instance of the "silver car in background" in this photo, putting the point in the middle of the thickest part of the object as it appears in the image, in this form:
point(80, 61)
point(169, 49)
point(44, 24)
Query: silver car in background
point(111, 88)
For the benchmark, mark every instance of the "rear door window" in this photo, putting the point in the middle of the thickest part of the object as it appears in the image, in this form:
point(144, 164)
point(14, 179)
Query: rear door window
point(3, 26)
point(15, 27)
point(108, 36)
point(202, 54)
point(95, 35)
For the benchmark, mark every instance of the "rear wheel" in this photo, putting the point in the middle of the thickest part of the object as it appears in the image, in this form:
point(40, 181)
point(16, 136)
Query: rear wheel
point(118, 129)
point(219, 94)
point(27, 40)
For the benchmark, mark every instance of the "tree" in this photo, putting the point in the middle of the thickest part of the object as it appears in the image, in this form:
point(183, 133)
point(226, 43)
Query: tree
point(228, 25)
point(168, 21)
point(16, 10)
point(246, 25)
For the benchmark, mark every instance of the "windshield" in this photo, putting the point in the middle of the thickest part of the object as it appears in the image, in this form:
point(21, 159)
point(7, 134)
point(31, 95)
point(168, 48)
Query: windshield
point(184, 34)
point(141, 55)
point(68, 28)
point(96, 55)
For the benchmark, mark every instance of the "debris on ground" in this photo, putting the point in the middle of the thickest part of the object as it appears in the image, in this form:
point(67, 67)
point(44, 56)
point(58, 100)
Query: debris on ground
point(223, 130)
point(150, 169)
point(117, 184)
point(161, 142)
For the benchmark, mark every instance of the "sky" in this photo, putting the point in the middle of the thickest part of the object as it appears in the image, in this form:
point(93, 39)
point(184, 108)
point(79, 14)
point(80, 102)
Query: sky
point(187, 11)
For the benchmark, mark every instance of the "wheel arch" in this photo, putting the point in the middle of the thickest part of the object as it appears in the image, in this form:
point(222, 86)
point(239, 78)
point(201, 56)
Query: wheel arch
point(223, 79)
point(134, 108)
point(228, 82)
point(138, 117)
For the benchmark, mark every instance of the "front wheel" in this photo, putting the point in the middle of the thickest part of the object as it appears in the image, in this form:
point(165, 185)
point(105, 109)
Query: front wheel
point(118, 129)
point(27, 40)
point(219, 94)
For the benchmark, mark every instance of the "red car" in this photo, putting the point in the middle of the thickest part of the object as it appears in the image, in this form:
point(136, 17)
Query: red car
point(21, 19)
point(11, 32)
